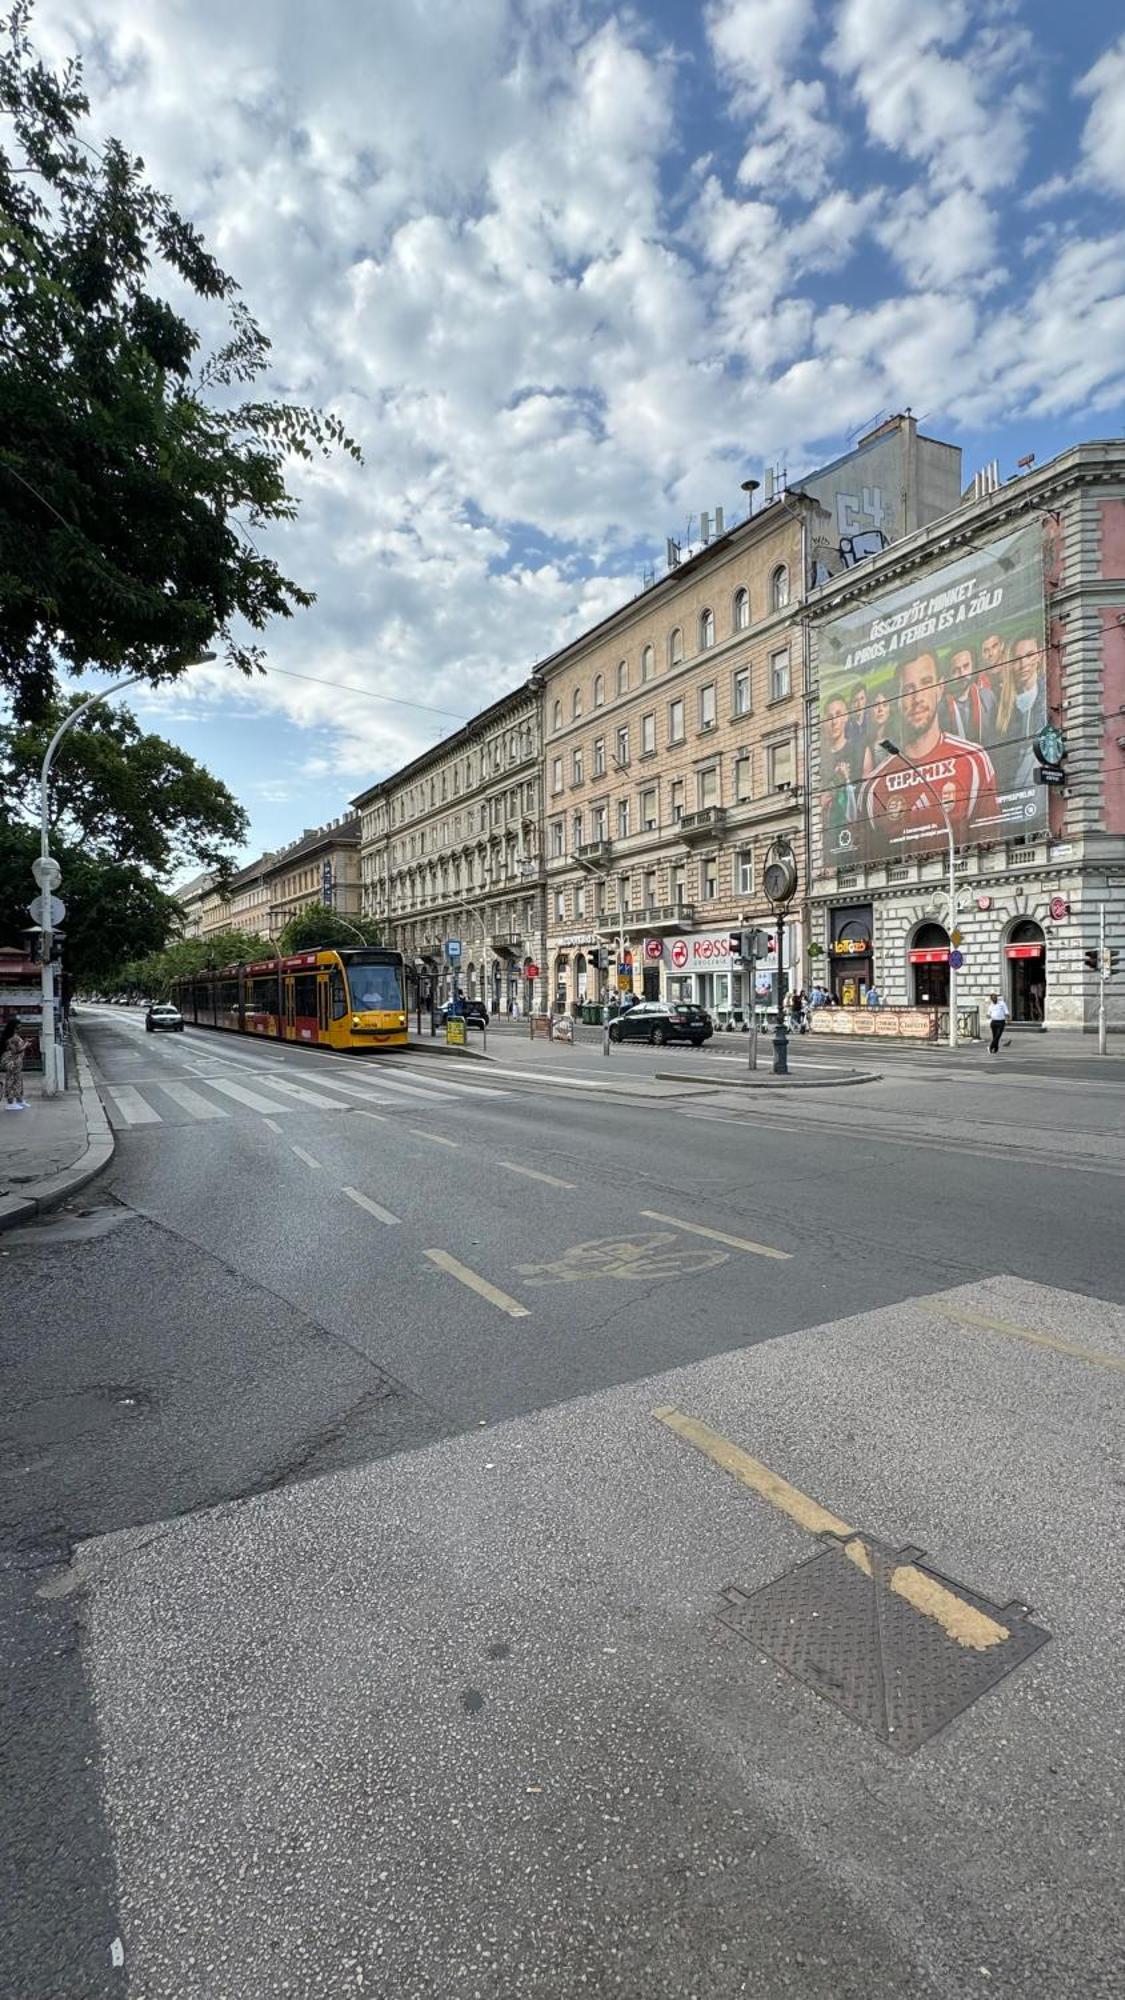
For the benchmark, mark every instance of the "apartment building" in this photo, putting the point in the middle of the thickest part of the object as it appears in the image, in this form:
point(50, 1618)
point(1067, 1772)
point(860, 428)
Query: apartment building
point(323, 866)
point(450, 854)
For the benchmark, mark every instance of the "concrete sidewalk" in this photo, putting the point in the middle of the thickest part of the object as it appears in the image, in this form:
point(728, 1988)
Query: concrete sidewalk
point(53, 1148)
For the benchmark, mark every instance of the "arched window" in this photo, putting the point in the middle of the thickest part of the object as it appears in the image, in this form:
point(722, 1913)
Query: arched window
point(706, 629)
point(675, 646)
point(740, 609)
point(648, 664)
point(779, 588)
point(622, 676)
point(556, 716)
point(599, 690)
point(576, 704)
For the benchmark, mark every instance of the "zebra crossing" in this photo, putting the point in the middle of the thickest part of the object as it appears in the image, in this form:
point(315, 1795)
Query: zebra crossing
point(223, 1087)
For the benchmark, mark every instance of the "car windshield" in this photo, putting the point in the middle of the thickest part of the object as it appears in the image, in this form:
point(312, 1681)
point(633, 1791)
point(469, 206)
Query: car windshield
point(375, 988)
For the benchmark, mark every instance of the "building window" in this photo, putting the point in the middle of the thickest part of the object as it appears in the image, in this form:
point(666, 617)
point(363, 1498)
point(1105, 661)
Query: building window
point(675, 646)
point(709, 879)
point(779, 588)
point(599, 690)
point(745, 872)
point(780, 764)
point(779, 674)
point(707, 787)
point(599, 756)
point(677, 800)
point(706, 629)
point(648, 735)
point(577, 833)
point(622, 753)
point(707, 706)
point(650, 889)
point(675, 722)
point(560, 905)
point(576, 705)
point(743, 778)
point(576, 766)
point(556, 782)
point(648, 663)
point(599, 828)
point(580, 900)
point(648, 809)
point(740, 609)
point(556, 716)
point(622, 676)
point(740, 692)
point(622, 819)
point(556, 839)
point(679, 885)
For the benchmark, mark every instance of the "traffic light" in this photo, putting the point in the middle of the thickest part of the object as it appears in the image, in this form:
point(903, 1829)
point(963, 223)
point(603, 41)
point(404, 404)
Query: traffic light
point(1112, 961)
point(735, 941)
point(1091, 961)
point(594, 958)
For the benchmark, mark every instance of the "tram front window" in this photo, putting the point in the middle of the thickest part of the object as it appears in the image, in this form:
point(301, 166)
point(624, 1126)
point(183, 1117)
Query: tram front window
point(375, 989)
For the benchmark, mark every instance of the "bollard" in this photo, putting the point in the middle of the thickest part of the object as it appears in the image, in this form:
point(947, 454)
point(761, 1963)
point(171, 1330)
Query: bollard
point(780, 1048)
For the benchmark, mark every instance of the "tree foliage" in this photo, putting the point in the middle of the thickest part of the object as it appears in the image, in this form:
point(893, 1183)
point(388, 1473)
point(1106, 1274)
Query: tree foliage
point(134, 475)
point(153, 973)
point(317, 928)
point(113, 910)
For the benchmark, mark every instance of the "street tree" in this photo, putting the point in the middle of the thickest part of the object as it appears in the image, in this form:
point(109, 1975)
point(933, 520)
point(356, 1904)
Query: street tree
point(317, 928)
point(136, 473)
point(114, 910)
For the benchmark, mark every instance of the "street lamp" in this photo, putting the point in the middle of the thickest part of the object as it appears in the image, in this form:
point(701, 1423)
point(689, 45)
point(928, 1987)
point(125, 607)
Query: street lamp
point(893, 750)
point(48, 874)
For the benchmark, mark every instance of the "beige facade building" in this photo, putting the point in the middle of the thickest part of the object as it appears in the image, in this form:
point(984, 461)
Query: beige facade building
point(450, 849)
point(321, 867)
point(673, 758)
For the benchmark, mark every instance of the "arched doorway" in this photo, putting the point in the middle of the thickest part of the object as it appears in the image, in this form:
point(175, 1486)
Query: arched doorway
point(929, 965)
point(1026, 954)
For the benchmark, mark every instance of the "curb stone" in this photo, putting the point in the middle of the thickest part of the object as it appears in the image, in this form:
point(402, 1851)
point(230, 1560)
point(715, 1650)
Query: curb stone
point(40, 1196)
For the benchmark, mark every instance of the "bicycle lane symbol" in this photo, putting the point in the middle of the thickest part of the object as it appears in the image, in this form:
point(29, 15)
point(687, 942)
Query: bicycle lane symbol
point(656, 1255)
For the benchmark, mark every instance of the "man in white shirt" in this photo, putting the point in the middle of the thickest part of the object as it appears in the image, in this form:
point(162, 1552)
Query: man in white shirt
point(998, 1020)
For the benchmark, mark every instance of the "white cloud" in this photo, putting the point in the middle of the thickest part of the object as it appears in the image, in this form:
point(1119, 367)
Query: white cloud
point(1103, 137)
point(756, 46)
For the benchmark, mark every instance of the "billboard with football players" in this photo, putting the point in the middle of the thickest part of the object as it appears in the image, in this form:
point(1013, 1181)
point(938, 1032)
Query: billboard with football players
point(950, 671)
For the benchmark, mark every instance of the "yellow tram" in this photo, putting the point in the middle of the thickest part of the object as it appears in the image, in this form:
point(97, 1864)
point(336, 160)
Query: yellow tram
point(326, 999)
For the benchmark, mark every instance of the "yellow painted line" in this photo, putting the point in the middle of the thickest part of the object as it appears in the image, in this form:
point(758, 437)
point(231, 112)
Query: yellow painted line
point(808, 1514)
point(720, 1236)
point(961, 1621)
point(372, 1207)
point(306, 1157)
point(477, 1284)
point(1093, 1355)
point(435, 1138)
point(533, 1175)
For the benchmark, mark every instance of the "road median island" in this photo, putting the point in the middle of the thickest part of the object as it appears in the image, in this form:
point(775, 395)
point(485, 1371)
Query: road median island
point(766, 1080)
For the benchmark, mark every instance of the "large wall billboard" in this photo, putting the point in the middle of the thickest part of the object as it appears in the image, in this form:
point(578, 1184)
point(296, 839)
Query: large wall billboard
point(951, 670)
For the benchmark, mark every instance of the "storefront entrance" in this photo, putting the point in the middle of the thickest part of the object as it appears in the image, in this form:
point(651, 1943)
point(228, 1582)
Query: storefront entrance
point(929, 964)
point(1026, 953)
point(650, 980)
point(851, 954)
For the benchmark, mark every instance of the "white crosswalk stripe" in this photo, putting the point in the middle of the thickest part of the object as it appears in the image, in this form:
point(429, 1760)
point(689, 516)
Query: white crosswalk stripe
point(190, 1100)
point(241, 1095)
point(131, 1107)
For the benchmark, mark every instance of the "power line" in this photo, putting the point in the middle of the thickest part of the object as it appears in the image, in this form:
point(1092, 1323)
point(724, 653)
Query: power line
point(349, 687)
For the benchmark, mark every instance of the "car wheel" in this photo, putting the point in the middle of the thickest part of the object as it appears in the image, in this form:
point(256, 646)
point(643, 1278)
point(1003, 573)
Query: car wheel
point(697, 1041)
point(615, 1033)
point(148, 1027)
point(658, 1037)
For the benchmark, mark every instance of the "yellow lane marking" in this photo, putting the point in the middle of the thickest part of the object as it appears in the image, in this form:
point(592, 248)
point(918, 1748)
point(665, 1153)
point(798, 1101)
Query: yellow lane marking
point(435, 1138)
point(961, 1621)
point(720, 1236)
point(306, 1157)
point(372, 1207)
point(808, 1514)
point(1094, 1355)
point(533, 1175)
point(476, 1283)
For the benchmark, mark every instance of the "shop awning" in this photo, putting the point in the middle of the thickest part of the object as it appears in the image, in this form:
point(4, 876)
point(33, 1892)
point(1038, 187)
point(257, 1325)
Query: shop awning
point(930, 957)
point(1023, 951)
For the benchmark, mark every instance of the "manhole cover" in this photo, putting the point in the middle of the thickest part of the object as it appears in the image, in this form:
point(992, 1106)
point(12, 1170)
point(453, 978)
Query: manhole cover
point(897, 1646)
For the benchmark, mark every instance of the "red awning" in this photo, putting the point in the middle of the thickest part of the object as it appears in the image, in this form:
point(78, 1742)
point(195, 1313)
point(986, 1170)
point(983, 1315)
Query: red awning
point(1023, 951)
point(930, 957)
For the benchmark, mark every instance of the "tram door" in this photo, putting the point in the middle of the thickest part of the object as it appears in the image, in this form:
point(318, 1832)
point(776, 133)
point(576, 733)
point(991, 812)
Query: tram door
point(288, 1026)
point(322, 1007)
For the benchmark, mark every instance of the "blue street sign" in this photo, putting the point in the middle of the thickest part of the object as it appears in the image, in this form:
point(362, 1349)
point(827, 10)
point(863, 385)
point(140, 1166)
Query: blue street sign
point(623, 965)
point(956, 960)
point(453, 949)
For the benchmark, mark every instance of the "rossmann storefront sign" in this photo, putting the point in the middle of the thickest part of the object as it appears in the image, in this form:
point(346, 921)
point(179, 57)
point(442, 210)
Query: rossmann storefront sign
point(699, 951)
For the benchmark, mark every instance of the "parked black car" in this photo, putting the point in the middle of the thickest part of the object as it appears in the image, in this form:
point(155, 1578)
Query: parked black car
point(661, 1021)
point(475, 1013)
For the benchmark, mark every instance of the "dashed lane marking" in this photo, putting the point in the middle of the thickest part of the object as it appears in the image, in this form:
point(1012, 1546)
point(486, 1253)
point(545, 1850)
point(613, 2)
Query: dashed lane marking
point(532, 1174)
point(477, 1284)
point(376, 1115)
point(435, 1138)
point(372, 1207)
point(1094, 1356)
point(307, 1158)
point(719, 1236)
point(271, 1125)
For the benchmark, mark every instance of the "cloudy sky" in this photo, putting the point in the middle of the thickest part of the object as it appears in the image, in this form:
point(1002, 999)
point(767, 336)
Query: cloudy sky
point(570, 271)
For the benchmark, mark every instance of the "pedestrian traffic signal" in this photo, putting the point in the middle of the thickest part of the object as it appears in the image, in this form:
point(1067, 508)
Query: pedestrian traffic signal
point(1091, 961)
point(734, 941)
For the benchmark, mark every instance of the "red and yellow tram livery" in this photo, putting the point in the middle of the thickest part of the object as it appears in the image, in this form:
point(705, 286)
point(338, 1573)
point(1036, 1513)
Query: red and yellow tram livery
point(328, 999)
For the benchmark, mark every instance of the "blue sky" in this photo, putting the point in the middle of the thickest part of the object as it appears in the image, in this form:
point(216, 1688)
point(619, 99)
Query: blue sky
point(571, 271)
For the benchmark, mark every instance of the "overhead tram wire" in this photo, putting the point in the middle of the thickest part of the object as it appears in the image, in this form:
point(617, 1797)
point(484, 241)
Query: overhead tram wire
point(348, 687)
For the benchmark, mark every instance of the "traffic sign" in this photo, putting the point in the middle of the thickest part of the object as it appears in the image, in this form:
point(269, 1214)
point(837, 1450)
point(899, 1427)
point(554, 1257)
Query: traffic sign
point(531, 972)
point(35, 911)
point(453, 949)
point(955, 938)
point(623, 965)
point(46, 871)
point(956, 958)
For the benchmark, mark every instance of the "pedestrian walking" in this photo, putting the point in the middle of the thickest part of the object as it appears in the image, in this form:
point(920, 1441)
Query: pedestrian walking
point(997, 1020)
point(12, 1051)
point(874, 997)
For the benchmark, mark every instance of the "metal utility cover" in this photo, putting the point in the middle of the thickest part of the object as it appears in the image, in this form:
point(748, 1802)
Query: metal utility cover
point(847, 1635)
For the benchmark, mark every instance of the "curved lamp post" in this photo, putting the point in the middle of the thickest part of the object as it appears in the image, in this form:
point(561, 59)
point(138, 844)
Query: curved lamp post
point(48, 874)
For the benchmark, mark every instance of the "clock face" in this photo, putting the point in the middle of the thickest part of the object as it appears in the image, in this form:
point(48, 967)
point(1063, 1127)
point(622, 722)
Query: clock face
point(779, 880)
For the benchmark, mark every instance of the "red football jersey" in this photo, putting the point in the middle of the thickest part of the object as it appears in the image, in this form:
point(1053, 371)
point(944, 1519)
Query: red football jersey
point(901, 805)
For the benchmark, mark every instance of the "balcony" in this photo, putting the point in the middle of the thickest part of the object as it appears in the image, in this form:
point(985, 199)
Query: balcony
point(697, 827)
point(593, 856)
point(507, 944)
point(662, 917)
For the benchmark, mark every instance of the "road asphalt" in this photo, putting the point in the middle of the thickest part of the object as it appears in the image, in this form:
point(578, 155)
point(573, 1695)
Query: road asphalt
point(380, 1440)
